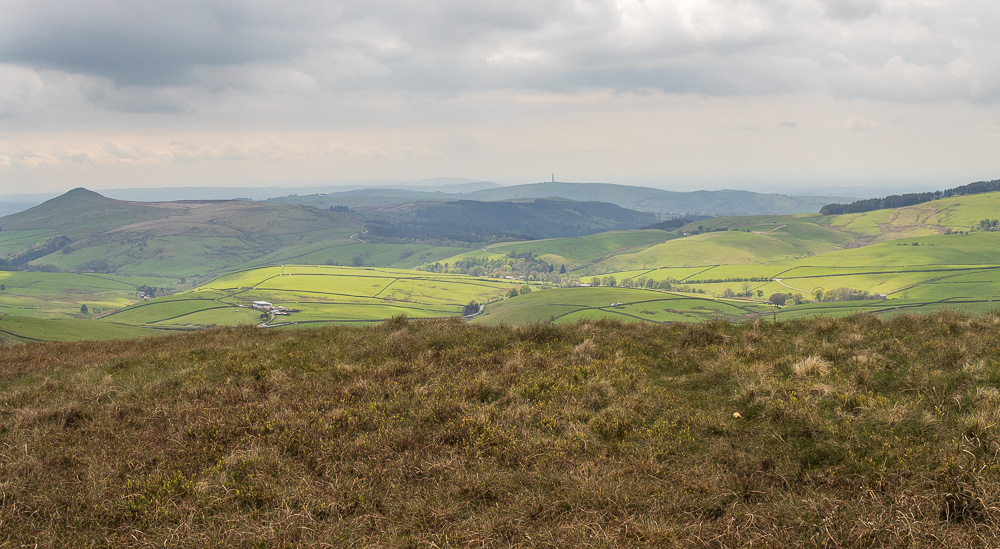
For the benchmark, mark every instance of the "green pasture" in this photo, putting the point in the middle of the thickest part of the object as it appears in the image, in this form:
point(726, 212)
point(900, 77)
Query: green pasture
point(571, 304)
point(662, 273)
point(212, 315)
point(718, 248)
point(867, 224)
point(167, 310)
point(26, 329)
point(12, 242)
point(979, 248)
point(578, 252)
point(60, 295)
point(964, 212)
point(360, 284)
point(320, 293)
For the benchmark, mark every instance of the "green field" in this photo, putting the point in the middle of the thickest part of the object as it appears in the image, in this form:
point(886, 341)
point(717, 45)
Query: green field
point(576, 253)
point(25, 329)
point(572, 304)
point(319, 294)
point(60, 295)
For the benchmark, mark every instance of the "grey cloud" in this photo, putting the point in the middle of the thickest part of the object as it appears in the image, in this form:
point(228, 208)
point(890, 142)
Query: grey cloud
point(143, 42)
point(150, 56)
point(851, 9)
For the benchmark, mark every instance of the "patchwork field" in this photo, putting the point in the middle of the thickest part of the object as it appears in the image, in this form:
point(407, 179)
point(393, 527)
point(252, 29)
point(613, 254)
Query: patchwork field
point(318, 295)
point(563, 305)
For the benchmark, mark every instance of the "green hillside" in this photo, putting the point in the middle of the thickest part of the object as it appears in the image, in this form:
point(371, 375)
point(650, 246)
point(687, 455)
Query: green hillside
point(661, 202)
point(79, 213)
point(575, 253)
point(173, 239)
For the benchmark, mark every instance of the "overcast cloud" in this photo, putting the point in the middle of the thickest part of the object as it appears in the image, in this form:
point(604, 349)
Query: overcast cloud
point(631, 91)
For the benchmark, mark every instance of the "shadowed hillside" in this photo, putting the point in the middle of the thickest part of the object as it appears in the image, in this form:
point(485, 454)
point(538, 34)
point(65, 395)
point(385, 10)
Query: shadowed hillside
point(657, 201)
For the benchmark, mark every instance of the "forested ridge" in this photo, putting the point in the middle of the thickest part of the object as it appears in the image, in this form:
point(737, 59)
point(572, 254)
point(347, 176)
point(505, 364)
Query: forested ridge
point(909, 199)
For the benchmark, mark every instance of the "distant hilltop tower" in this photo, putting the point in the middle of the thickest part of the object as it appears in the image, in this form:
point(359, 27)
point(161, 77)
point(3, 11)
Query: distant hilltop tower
point(553, 177)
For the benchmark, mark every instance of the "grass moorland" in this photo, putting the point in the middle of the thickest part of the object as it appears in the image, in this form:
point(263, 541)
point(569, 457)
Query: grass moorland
point(853, 432)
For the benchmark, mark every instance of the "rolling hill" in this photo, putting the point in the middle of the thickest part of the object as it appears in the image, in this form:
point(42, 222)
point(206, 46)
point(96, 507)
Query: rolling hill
point(84, 231)
point(657, 201)
point(924, 257)
point(474, 221)
point(185, 238)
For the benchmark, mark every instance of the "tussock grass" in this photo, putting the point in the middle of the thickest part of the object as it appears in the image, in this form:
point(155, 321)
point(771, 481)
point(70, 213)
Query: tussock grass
point(852, 432)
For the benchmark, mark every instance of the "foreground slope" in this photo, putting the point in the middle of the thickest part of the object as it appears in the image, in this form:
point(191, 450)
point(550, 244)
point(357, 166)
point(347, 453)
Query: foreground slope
point(851, 433)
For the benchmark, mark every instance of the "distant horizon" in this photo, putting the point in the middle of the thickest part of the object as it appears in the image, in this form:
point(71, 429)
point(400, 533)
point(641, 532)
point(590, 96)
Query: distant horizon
point(870, 190)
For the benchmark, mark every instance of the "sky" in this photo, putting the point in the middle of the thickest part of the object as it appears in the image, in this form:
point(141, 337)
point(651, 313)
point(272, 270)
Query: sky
point(786, 95)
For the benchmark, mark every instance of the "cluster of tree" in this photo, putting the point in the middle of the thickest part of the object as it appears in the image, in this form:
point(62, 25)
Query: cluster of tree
point(97, 266)
point(845, 294)
point(41, 268)
point(909, 199)
point(521, 265)
point(669, 224)
point(746, 288)
point(470, 308)
point(702, 229)
point(41, 249)
point(991, 225)
point(639, 282)
point(643, 282)
point(514, 292)
point(781, 299)
point(341, 209)
point(736, 279)
point(151, 291)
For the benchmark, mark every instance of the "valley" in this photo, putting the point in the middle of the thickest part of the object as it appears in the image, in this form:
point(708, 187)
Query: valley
point(201, 264)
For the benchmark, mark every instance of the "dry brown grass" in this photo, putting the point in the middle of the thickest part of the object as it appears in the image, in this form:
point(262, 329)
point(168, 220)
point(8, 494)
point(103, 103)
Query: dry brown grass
point(447, 434)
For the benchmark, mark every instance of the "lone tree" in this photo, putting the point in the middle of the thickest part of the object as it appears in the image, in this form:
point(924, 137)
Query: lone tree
point(84, 310)
point(470, 309)
point(778, 299)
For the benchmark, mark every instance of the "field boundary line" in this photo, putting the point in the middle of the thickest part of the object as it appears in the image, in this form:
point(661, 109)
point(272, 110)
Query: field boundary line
point(779, 281)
